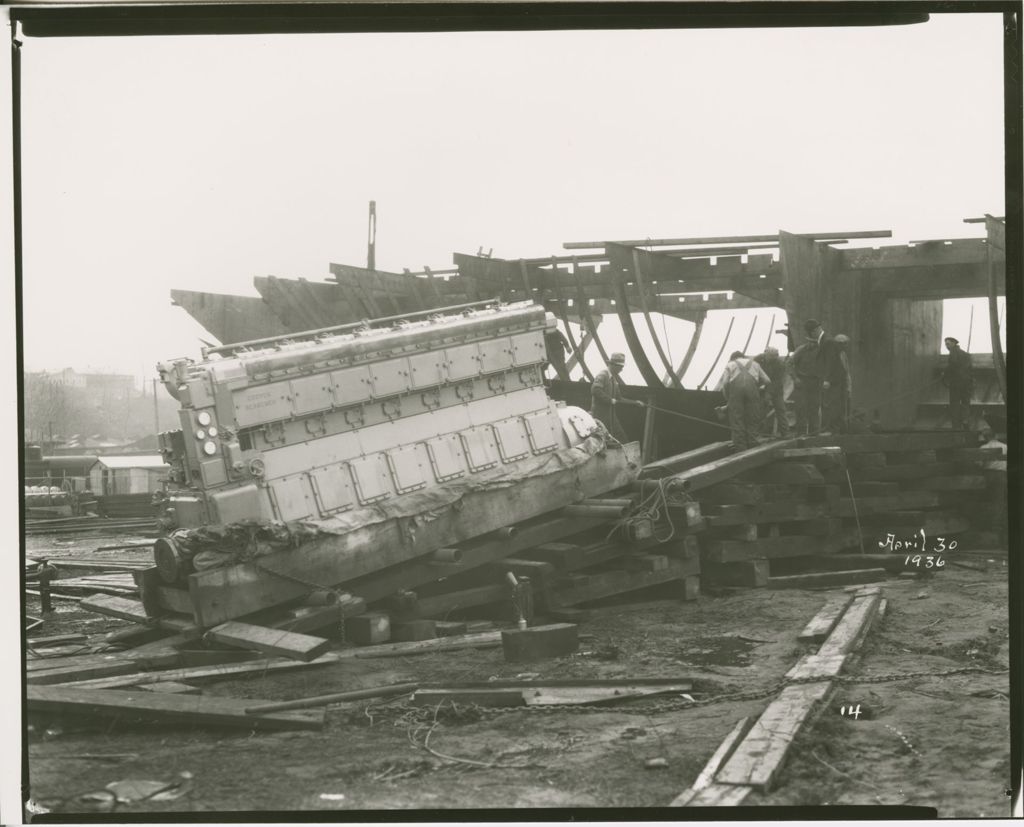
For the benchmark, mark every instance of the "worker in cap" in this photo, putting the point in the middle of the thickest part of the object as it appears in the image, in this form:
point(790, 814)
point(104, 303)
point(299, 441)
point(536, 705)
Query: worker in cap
point(959, 378)
point(741, 383)
point(606, 396)
point(775, 368)
point(808, 368)
point(837, 389)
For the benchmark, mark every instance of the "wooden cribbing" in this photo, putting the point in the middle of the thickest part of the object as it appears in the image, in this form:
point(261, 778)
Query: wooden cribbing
point(188, 709)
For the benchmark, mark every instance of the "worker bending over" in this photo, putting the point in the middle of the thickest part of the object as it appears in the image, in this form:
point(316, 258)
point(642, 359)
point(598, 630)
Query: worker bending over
point(741, 383)
point(775, 368)
point(606, 395)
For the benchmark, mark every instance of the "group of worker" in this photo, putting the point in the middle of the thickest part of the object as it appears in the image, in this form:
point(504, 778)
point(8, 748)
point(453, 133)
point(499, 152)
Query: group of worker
point(822, 389)
point(754, 390)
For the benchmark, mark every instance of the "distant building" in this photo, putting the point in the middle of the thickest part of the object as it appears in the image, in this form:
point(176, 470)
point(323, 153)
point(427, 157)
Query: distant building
point(114, 475)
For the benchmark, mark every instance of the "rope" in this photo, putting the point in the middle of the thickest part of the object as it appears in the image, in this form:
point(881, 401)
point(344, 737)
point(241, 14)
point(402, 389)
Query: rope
point(856, 513)
point(650, 509)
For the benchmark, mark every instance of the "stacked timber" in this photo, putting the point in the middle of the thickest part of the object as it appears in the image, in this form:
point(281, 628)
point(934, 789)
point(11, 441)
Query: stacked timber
point(820, 511)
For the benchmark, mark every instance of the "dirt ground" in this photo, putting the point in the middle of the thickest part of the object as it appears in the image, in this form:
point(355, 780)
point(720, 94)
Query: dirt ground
point(941, 742)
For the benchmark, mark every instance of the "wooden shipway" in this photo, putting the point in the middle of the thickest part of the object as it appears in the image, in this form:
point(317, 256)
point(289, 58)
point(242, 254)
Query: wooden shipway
point(752, 759)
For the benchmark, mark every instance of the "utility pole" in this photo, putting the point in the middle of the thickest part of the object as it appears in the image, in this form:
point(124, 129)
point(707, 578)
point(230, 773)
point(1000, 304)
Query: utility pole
point(156, 410)
point(371, 238)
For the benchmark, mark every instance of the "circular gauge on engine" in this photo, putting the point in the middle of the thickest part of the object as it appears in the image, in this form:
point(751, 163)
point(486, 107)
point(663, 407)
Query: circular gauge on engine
point(204, 418)
point(210, 448)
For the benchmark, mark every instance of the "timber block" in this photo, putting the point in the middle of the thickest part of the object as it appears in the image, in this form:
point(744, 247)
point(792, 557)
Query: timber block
point(752, 573)
point(447, 628)
point(540, 642)
point(564, 556)
point(726, 515)
point(822, 527)
point(539, 573)
point(682, 548)
point(871, 459)
point(646, 562)
point(964, 482)
point(732, 493)
point(413, 630)
point(873, 489)
point(369, 628)
point(971, 454)
point(768, 530)
point(745, 533)
point(276, 642)
point(586, 588)
point(789, 473)
point(475, 627)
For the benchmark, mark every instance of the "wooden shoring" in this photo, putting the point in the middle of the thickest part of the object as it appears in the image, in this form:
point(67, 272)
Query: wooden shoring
point(577, 350)
point(525, 274)
point(636, 348)
point(583, 306)
point(641, 287)
point(714, 364)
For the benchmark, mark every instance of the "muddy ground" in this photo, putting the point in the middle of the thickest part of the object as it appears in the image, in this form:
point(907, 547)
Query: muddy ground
point(941, 742)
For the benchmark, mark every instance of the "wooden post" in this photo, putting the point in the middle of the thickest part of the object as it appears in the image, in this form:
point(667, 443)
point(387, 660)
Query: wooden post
point(647, 445)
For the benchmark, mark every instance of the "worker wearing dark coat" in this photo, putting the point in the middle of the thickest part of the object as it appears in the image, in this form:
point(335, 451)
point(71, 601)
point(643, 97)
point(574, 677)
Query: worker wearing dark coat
point(606, 396)
point(837, 387)
point(741, 383)
point(808, 376)
point(775, 368)
point(555, 347)
point(46, 574)
point(959, 378)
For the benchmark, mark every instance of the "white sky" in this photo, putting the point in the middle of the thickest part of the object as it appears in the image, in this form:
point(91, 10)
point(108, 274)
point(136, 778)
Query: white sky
point(200, 162)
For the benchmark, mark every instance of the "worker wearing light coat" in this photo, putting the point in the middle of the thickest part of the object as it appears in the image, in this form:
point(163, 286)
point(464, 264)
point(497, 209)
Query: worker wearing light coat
point(606, 396)
point(773, 365)
point(741, 383)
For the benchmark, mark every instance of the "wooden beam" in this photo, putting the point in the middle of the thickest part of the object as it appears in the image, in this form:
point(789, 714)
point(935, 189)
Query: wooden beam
point(116, 607)
point(685, 461)
point(710, 473)
point(269, 641)
point(127, 704)
point(927, 254)
point(725, 239)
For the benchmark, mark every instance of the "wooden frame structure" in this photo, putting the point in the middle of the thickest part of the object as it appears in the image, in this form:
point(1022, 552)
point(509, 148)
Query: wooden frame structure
point(887, 299)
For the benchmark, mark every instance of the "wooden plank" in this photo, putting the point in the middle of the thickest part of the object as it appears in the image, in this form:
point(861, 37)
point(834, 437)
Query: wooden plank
point(727, 515)
point(906, 441)
point(775, 548)
point(269, 641)
point(55, 640)
point(733, 493)
point(585, 695)
point(172, 688)
point(163, 707)
point(707, 775)
point(827, 578)
point(199, 673)
point(703, 476)
point(480, 640)
point(823, 667)
point(970, 454)
point(690, 459)
point(759, 759)
point(97, 667)
point(116, 607)
point(442, 604)
point(821, 625)
point(852, 627)
point(749, 573)
point(883, 505)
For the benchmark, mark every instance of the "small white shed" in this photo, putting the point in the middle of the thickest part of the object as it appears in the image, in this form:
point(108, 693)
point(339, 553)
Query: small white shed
point(137, 474)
